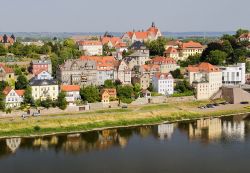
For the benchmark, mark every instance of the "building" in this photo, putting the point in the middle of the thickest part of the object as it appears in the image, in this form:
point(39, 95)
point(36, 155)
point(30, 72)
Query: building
point(6, 73)
point(189, 49)
point(7, 40)
point(150, 69)
point(152, 33)
point(105, 96)
point(163, 83)
point(105, 66)
point(206, 79)
point(143, 80)
point(172, 53)
point(35, 43)
point(72, 92)
point(137, 59)
point(44, 75)
point(234, 74)
point(91, 48)
point(13, 98)
point(43, 89)
point(166, 64)
point(111, 41)
point(37, 66)
point(111, 91)
point(78, 72)
point(245, 37)
point(140, 47)
point(173, 44)
point(122, 72)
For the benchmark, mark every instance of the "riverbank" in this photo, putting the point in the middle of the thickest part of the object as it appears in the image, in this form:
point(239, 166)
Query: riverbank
point(133, 116)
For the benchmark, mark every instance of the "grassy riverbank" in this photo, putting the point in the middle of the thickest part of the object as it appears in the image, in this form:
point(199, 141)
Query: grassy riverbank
point(142, 115)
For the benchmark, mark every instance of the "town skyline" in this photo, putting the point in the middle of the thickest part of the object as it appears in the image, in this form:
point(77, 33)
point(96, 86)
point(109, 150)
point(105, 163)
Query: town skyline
point(76, 16)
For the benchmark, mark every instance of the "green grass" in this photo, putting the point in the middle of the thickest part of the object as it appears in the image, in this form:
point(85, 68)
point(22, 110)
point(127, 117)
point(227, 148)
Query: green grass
point(155, 107)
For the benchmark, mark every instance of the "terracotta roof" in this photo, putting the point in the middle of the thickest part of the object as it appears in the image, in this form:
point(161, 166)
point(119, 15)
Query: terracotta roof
point(89, 43)
point(191, 44)
point(153, 30)
point(6, 69)
point(171, 50)
point(67, 88)
point(7, 90)
point(162, 60)
point(102, 62)
point(113, 40)
point(173, 43)
point(203, 67)
point(120, 45)
point(151, 67)
point(20, 92)
point(163, 75)
point(245, 35)
point(141, 35)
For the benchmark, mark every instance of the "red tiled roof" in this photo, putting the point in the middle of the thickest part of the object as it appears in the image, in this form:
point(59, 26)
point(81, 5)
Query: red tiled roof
point(191, 44)
point(7, 90)
point(171, 50)
point(113, 40)
point(102, 62)
point(203, 67)
point(164, 75)
point(141, 35)
point(245, 35)
point(173, 43)
point(120, 45)
point(20, 92)
point(162, 60)
point(151, 67)
point(67, 88)
point(89, 43)
point(6, 69)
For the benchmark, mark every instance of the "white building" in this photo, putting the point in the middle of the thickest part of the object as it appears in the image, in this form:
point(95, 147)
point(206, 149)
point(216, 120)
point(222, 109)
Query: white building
point(234, 75)
point(91, 48)
point(13, 98)
point(44, 75)
point(206, 79)
point(72, 92)
point(163, 83)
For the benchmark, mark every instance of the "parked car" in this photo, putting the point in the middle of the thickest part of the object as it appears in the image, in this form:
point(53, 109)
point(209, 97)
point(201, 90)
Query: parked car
point(210, 106)
point(124, 106)
point(36, 114)
point(24, 115)
point(244, 103)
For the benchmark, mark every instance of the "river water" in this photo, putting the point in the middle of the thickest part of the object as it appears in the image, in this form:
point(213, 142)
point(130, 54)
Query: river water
point(220, 145)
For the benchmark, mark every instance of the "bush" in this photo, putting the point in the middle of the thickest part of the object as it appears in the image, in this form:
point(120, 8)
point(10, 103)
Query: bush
point(37, 128)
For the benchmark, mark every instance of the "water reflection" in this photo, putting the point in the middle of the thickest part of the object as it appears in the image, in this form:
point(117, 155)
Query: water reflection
point(208, 130)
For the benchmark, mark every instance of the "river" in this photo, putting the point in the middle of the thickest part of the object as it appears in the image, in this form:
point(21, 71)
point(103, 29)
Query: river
point(220, 145)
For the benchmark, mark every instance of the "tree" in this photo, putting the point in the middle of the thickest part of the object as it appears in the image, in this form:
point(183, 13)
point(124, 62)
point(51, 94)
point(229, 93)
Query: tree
point(191, 60)
point(210, 47)
point(177, 74)
point(17, 71)
point(90, 94)
point(182, 86)
point(2, 101)
point(109, 84)
point(61, 101)
point(157, 47)
point(21, 82)
point(137, 90)
point(217, 57)
point(46, 103)
point(125, 93)
point(28, 99)
point(240, 32)
point(3, 50)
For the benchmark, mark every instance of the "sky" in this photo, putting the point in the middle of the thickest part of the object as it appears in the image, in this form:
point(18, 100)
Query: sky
point(123, 15)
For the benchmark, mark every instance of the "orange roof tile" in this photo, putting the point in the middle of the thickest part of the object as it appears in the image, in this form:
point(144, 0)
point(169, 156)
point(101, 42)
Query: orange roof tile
point(6, 69)
point(203, 67)
point(245, 35)
point(113, 40)
point(162, 60)
point(20, 92)
point(191, 44)
point(171, 50)
point(102, 62)
point(164, 75)
point(67, 88)
point(7, 90)
point(89, 43)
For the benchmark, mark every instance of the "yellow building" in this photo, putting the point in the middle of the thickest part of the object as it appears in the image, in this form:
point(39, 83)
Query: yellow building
point(43, 89)
point(189, 49)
